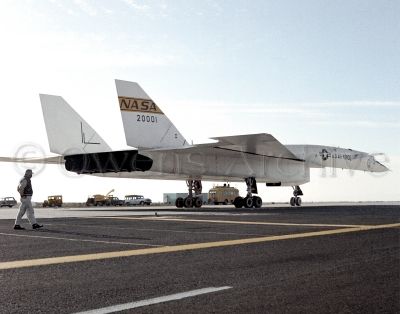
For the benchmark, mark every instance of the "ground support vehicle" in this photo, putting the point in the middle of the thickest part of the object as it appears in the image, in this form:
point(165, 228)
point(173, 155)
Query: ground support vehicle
point(97, 200)
point(8, 201)
point(53, 201)
point(222, 194)
point(100, 199)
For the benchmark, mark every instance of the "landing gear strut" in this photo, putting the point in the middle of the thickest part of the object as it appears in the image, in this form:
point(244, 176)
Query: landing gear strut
point(194, 196)
point(249, 201)
point(295, 200)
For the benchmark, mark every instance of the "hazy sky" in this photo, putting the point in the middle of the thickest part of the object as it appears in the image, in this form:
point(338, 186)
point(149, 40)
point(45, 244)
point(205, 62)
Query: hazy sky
point(308, 72)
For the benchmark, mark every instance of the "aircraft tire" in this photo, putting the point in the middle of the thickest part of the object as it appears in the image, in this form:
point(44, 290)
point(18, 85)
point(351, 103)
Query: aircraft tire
point(248, 202)
point(188, 202)
point(298, 201)
point(179, 202)
point(257, 201)
point(238, 202)
point(292, 201)
point(197, 202)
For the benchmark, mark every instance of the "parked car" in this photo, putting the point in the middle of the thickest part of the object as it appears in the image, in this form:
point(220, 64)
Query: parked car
point(136, 200)
point(115, 201)
point(8, 201)
point(53, 201)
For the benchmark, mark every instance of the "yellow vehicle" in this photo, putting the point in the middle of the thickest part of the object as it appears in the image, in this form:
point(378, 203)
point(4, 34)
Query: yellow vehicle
point(222, 194)
point(100, 199)
point(53, 201)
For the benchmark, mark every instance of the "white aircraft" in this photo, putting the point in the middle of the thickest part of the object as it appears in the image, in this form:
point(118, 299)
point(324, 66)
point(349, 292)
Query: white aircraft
point(161, 152)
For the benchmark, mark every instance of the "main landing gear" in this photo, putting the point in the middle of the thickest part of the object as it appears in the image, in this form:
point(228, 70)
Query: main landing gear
point(249, 201)
point(296, 200)
point(192, 200)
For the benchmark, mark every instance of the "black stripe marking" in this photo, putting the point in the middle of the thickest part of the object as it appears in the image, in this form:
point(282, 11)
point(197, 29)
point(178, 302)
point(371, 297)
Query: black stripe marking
point(251, 153)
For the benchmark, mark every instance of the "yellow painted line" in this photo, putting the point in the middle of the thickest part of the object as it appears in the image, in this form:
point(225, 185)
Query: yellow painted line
point(180, 248)
point(232, 222)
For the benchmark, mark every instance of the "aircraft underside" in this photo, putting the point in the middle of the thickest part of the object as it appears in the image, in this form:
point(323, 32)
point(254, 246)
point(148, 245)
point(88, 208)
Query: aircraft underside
point(211, 165)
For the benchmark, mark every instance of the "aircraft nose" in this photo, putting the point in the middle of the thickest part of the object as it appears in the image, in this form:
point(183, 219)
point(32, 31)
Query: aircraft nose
point(376, 166)
point(381, 168)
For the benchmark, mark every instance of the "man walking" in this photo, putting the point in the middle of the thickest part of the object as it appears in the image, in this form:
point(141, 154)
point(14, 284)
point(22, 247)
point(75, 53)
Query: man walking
point(26, 192)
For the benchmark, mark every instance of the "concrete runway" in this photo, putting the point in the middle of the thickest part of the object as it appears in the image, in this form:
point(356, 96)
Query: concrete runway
point(312, 259)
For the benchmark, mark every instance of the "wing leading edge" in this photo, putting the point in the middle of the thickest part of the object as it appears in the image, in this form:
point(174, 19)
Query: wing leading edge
point(38, 160)
point(262, 144)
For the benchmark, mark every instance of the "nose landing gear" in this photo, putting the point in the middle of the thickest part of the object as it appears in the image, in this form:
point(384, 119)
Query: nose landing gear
point(191, 200)
point(295, 200)
point(249, 201)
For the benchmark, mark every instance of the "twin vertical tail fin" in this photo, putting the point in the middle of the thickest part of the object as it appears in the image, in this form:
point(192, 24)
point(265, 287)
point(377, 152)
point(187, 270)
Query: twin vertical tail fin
point(67, 132)
point(145, 125)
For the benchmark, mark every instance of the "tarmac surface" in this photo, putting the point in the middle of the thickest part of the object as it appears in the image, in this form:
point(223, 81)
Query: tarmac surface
point(309, 259)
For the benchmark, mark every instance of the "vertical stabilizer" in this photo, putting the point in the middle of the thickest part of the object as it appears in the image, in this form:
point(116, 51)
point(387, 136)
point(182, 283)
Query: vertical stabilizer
point(145, 125)
point(67, 132)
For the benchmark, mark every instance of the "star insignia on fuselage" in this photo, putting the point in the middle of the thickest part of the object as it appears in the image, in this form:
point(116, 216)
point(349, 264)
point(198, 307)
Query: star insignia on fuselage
point(324, 154)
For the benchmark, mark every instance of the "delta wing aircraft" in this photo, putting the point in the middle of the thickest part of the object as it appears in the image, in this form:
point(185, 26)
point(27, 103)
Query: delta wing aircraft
point(161, 152)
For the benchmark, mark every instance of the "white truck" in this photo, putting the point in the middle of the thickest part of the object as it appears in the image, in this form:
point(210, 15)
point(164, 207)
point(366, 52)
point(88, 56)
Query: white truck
point(136, 200)
point(8, 201)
